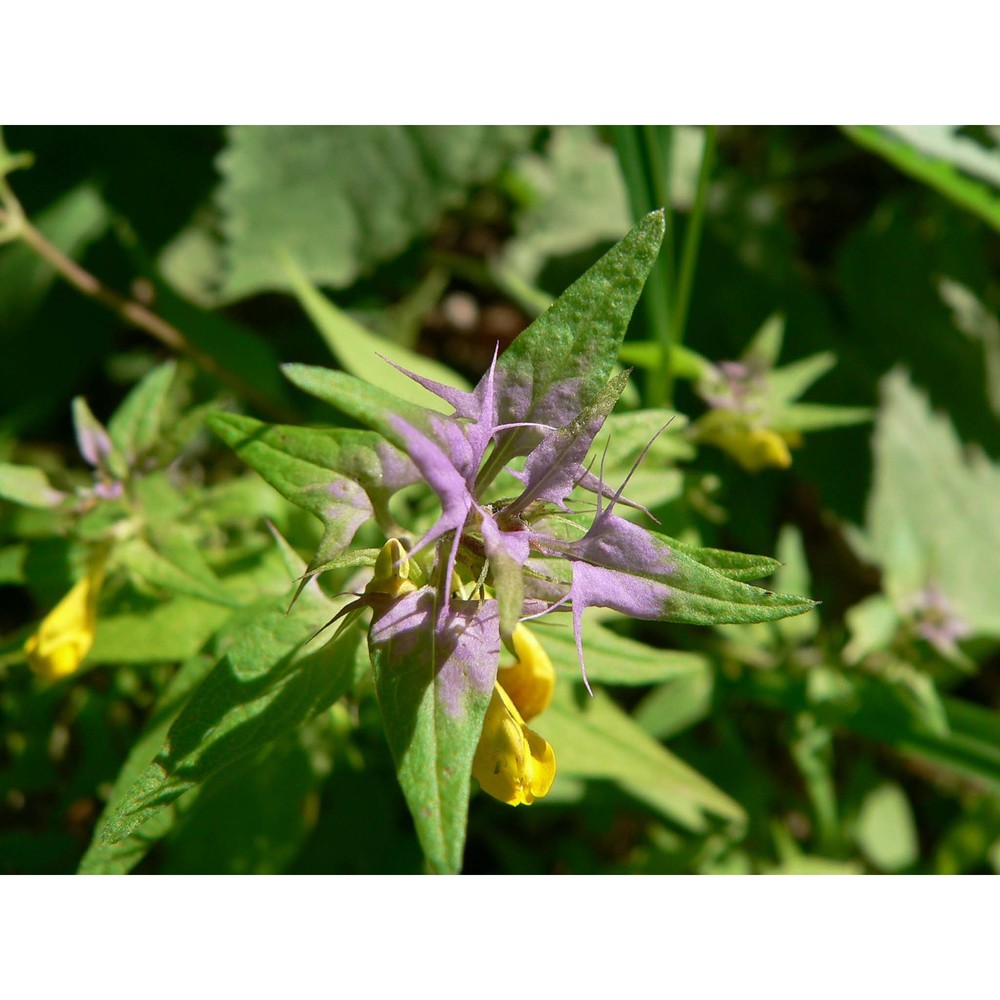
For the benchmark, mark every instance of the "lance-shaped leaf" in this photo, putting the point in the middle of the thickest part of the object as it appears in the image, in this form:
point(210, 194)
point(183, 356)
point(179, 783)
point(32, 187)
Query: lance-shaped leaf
point(135, 426)
point(595, 739)
point(366, 403)
point(103, 858)
point(357, 350)
point(559, 364)
point(435, 669)
point(344, 477)
point(261, 689)
point(736, 565)
point(621, 566)
point(554, 467)
point(192, 578)
point(95, 444)
point(28, 486)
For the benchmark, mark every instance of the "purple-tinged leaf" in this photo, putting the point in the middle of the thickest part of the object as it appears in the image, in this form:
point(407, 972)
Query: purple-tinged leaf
point(95, 443)
point(344, 477)
point(554, 467)
point(434, 674)
point(560, 363)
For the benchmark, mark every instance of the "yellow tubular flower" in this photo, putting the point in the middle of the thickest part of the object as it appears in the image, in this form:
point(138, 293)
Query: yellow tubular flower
point(755, 448)
point(66, 634)
point(530, 680)
point(513, 763)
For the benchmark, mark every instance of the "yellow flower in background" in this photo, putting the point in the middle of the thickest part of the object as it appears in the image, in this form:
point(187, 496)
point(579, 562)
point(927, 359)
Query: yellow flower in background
point(754, 447)
point(513, 763)
point(66, 633)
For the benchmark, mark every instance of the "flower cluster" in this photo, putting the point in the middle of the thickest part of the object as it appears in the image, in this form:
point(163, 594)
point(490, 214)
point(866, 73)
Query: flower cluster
point(739, 421)
point(490, 565)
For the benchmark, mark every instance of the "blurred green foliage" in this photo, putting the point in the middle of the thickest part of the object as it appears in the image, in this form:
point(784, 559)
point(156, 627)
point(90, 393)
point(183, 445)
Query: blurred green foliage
point(863, 736)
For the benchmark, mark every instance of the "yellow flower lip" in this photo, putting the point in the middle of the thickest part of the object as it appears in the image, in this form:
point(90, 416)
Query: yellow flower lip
point(513, 763)
point(66, 633)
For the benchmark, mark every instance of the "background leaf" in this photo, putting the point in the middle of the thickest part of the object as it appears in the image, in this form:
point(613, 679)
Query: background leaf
point(596, 739)
point(931, 154)
point(358, 351)
point(341, 199)
point(259, 691)
point(934, 512)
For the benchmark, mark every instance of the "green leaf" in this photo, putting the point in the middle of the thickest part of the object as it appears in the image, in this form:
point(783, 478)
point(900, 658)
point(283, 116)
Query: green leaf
point(12, 560)
point(594, 739)
point(677, 704)
point(703, 596)
point(28, 486)
point(156, 631)
point(628, 433)
point(764, 348)
point(434, 681)
point(648, 354)
point(253, 818)
point(937, 166)
point(570, 351)
point(358, 351)
point(734, 565)
point(790, 381)
point(932, 513)
point(264, 686)
point(134, 427)
point(343, 199)
point(191, 578)
point(573, 199)
point(366, 403)
point(344, 477)
point(873, 624)
point(969, 746)
point(103, 858)
point(945, 142)
point(611, 658)
point(793, 576)
point(95, 444)
point(897, 703)
point(804, 417)
point(886, 831)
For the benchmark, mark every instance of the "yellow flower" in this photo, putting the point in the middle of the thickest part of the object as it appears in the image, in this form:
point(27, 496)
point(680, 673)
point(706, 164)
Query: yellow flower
point(531, 678)
point(513, 763)
point(755, 448)
point(66, 634)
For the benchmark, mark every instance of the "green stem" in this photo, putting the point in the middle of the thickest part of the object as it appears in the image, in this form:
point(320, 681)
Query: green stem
point(658, 149)
point(811, 749)
point(692, 238)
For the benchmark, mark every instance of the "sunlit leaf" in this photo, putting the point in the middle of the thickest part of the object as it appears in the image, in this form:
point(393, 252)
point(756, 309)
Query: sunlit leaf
point(595, 739)
point(434, 674)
